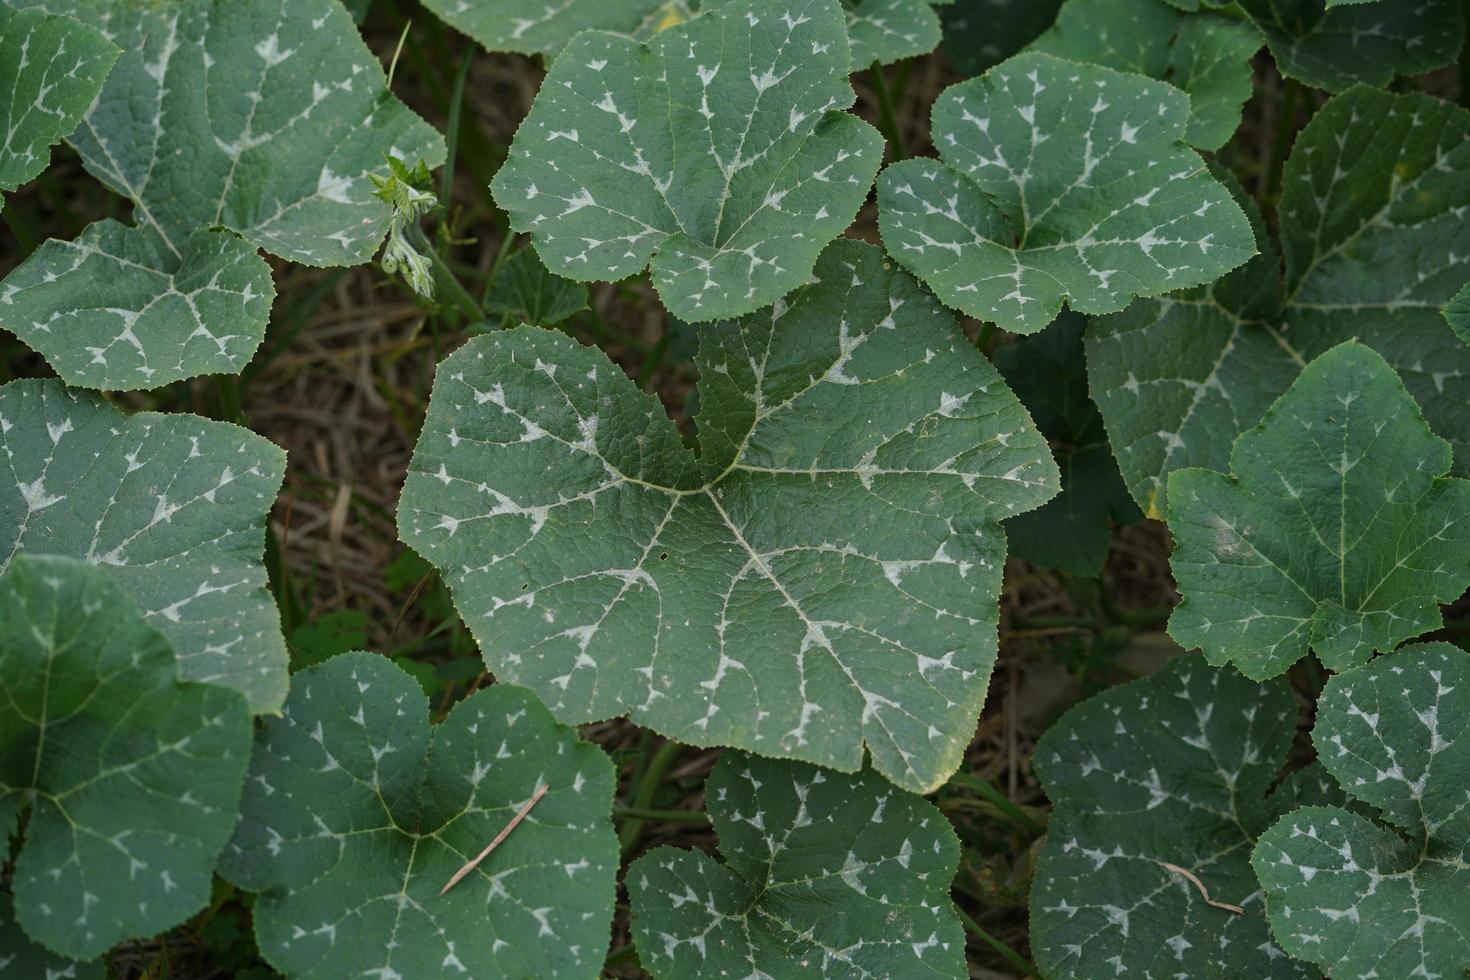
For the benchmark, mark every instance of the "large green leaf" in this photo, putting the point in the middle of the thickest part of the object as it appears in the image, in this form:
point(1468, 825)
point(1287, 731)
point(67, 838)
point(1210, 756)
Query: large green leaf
point(877, 30)
point(1071, 531)
point(1336, 530)
point(229, 126)
point(1205, 55)
point(823, 575)
point(51, 69)
point(172, 506)
point(1169, 770)
point(131, 778)
point(1043, 194)
point(23, 959)
point(731, 189)
point(1374, 248)
point(357, 814)
point(1339, 44)
point(825, 875)
point(1371, 898)
point(982, 33)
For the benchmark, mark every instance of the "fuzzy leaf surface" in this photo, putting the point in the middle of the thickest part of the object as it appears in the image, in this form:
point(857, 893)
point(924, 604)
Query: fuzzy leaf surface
point(823, 575)
point(1206, 56)
point(1059, 181)
point(716, 151)
point(52, 68)
point(1338, 45)
point(1172, 769)
point(230, 127)
point(357, 813)
point(173, 507)
point(1382, 898)
point(1071, 532)
point(825, 874)
point(1373, 250)
point(131, 778)
point(1336, 530)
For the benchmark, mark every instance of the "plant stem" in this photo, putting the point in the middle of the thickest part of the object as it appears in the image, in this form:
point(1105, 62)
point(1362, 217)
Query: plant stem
point(648, 784)
point(1014, 958)
point(1001, 802)
point(886, 113)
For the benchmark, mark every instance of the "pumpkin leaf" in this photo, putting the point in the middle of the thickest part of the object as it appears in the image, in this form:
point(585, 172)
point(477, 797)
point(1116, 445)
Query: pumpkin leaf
point(1336, 530)
point(129, 776)
point(1341, 43)
point(832, 554)
point(1115, 206)
point(1373, 250)
point(1205, 55)
point(800, 842)
point(1385, 897)
point(1159, 791)
point(728, 192)
point(53, 67)
point(230, 127)
point(357, 814)
point(172, 507)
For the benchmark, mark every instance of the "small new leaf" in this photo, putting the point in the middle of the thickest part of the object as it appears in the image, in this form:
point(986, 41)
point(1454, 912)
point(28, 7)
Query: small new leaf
point(825, 875)
point(716, 151)
point(407, 193)
point(1336, 530)
point(357, 813)
point(1059, 181)
point(51, 68)
point(172, 507)
point(1367, 897)
point(230, 127)
point(130, 777)
point(1159, 791)
point(821, 577)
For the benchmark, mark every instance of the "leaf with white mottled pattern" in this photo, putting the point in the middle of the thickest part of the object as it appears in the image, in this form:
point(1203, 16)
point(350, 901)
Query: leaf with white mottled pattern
point(1335, 46)
point(173, 507)
point(230, 127)
point(730, 190)
point(51, 69)
point(825, 875)
point(1457, 313)
point(1205, 55)
point(1374, 247)
point(1382, 898)
point(22, 959)
point(824, 575)
point(130, 778)
point(1169, 770)
point(1059, 181)
point(1336, 528)
point(357, 813)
